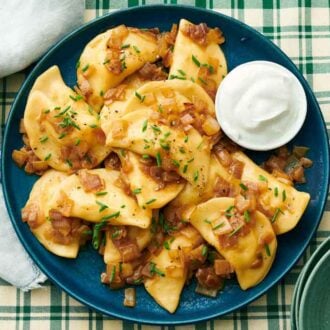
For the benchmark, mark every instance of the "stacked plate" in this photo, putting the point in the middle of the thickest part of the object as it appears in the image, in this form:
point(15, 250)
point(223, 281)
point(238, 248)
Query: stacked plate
point(310, 307)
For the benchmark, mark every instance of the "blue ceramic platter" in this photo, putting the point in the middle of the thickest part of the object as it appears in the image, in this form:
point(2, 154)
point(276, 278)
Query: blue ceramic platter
point(81, 277)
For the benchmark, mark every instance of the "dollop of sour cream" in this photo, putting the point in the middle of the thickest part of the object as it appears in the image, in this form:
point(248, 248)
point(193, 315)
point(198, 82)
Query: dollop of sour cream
point(261, 105)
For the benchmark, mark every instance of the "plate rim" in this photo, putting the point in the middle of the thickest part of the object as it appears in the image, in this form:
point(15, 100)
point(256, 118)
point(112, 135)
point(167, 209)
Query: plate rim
point(95, 21)
point(307, 288)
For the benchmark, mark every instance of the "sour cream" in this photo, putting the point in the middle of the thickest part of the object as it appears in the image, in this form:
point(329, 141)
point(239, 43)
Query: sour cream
point(261, 105)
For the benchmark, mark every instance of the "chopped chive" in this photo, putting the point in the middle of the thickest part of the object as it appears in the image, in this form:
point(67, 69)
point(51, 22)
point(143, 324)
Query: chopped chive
point(61, 136)
point(115, 234)
point(93, 126)
point(113, 273)
point(68, 161)
point(63, 111)
point(262, 178)
point(90, 110)
point(202, 80)
point(43, 139)
point(101, 93)
point(87, 232)
point(243, 186)
point(235, 231)
point(146, 147)
point(125, 46)
point(101, 193)
point(139, 96)
point(182, 150)
point(185, 168)
point(175, 163)
point(57, 108)
point(106, 61)
point(267, 250)
point(210, 68)
point(138, 281)
point(122, 152)
point(207, 221)
point(182, 72)
point(137, 191)
point(123, 206)
point(78, 64)
point(276, 214)
point(77, 142)
point(165, 146)
point(145, 156)
point(136, 49)
point(275, 191)
point(167, 134)
point(111, 216)
point(186, 139)
point(196, 175)
point(230, 208)
point(158, 159)
point(155, 270)
point(150, 201)
point(160, 108)
point(144, 125)
point(174, 76)
point(283, 195)
point(218, 226)
point(85, 68)
point(199, 146)
point(195, 60)
point(156, 128)
point(247, 216)
point(47, 111)
point(48, 156)
point(166, 245)
point(190, 160)
point(204, 250)
point(102, 206)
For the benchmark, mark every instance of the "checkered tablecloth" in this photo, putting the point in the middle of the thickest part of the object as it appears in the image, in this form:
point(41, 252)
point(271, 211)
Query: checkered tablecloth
point(301, 28)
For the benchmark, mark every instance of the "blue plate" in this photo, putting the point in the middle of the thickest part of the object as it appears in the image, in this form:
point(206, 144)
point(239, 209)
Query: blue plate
point(81, 277)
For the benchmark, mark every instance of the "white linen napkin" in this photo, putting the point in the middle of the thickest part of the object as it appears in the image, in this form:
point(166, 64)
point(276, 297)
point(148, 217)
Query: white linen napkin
point(27, 29)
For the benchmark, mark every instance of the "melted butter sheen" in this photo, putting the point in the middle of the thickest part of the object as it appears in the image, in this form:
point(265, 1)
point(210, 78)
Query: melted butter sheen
point(261, 105)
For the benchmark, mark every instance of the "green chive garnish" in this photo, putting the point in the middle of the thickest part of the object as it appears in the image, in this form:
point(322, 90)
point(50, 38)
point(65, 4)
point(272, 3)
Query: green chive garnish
point(283, 195)
point(196, 175)
point(43, 139)
point(243, 186)
point(267, 250)
point(137, 191)
point(150, 201)
point(158, 159)
point(139, 96)
point(262, 178)
point(276, 214)
point(102, 206)
point(195, 60)
point(247, 216)
point(85, 68)
point(101, 193)
point(48, 156)
point(155, 270)
point(275, 191)
point(144, 125)
point(204, 251)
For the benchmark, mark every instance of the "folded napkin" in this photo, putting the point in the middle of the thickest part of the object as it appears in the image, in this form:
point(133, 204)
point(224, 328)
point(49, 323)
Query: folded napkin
point(27, 29)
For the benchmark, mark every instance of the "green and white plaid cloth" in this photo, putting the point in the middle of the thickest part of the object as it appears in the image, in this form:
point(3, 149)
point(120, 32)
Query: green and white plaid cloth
point(301, 28)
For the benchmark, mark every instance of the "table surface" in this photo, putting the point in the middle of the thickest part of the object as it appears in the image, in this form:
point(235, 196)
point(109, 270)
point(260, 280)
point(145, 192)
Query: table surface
point(302, 30)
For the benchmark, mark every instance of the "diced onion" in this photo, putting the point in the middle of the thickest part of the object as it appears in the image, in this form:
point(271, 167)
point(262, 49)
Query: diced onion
point(211, 126)
point(130, 297)
point(205, 291)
